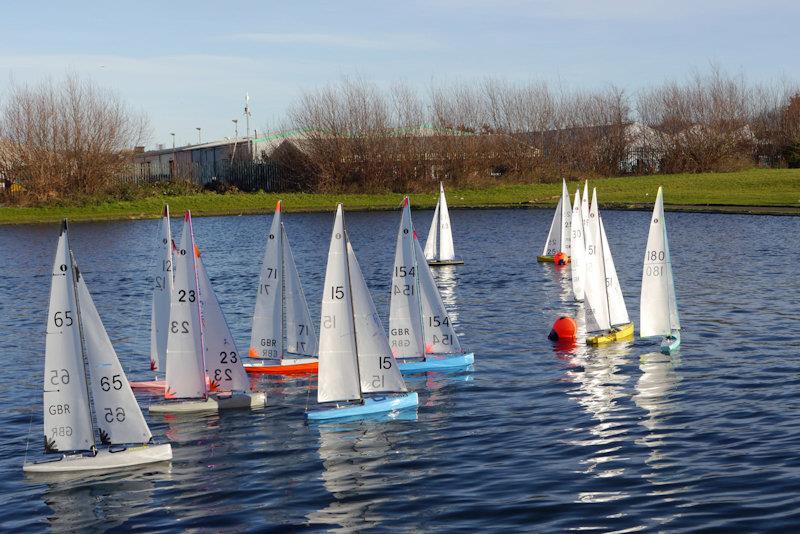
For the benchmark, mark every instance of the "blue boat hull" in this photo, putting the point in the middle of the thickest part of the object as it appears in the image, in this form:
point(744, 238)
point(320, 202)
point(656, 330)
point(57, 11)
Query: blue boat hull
point(371, 405)
point(671, 343)
point(438, 363)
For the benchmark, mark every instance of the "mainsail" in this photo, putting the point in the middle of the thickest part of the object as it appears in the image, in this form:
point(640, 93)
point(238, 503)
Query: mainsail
point(338, 378)
point(163, 284)
point(67, 417)
point(266, 336)
point(185, 368)
point(405, 320)
point(659, 309)
point(606, 305)
point(577, 249)
point(558, 237)
point(446, 248)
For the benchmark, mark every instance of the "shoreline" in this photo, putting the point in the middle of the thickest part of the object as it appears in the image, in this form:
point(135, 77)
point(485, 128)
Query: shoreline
point(747, 192)
point(725, 209)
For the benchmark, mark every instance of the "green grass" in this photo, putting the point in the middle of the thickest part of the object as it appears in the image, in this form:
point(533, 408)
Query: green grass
point(774, 190)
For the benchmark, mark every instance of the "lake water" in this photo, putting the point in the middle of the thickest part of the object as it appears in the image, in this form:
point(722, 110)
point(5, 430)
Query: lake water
point(619, 438)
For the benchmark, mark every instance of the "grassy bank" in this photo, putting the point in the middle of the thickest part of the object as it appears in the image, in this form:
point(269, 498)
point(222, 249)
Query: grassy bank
point(751, 191)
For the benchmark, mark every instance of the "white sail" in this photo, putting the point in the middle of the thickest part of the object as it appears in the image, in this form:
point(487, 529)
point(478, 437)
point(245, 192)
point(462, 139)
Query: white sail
point(222, 359)
point(446, 248)
point(659, 310)
point(440, 336)
point(162, 294)
point(578, 249)
point(185, 368)
point(266, 338)
point(618, 313)
point(116, 412)
point(553, 243)
point(67, 417)
point(405, 321)
point(301, 337)
point(338, 377)
point(566, 219)
point(432, 243)
point(377, 368)
point(597, 317)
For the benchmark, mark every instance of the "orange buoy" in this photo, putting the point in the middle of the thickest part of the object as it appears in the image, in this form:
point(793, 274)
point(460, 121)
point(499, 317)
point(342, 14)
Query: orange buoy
point(564, 329)
point(560, 259)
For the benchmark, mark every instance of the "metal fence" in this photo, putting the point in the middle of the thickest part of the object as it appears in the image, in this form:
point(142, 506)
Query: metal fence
point(244, 176)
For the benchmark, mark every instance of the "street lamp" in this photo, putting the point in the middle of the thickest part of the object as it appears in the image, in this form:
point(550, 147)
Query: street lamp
point(199, 139)
point(173, 140)
point(235, 127)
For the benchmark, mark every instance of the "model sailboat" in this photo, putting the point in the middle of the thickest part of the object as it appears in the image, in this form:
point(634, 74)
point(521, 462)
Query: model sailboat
point(439, 249)
point(558, 238)
point(163, 284)
point(420, 331)
point(282, 333)
point(85, 388)
point(355, 360)
point(577, 249)
point(606, 314)
point(204, 370)
point(659, 309)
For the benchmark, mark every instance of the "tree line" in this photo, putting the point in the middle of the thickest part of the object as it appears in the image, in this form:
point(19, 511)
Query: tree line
point(67, 138)
point(358, 136)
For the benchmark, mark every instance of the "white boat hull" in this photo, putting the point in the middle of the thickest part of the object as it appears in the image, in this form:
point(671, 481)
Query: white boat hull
point(237, 401)
point(104, 460)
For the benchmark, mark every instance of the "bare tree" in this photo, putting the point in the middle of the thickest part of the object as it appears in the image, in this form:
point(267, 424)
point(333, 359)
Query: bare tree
point(68, 137)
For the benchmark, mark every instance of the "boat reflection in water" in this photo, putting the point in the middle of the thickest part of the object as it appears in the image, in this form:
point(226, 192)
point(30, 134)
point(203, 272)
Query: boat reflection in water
point(92, 501)
point(446, 278)
point(653, 389)
point(357, 472)
point(600, 382)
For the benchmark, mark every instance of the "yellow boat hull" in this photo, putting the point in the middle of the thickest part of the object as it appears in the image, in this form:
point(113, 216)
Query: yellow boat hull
point(549, 259)
point(618, 333)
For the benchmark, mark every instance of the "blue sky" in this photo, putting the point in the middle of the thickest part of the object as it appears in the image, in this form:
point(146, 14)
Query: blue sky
point(189, 64)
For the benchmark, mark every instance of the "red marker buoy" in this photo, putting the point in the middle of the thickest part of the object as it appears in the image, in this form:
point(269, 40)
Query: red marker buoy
point(560, 259)
point(564, 329)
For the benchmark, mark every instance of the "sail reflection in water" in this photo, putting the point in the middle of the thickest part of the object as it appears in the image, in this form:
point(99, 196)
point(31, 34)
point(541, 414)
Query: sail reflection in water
point(653, 389)
point(81, 502)
point(356, 471)
point(600, 387)
point(447, 282)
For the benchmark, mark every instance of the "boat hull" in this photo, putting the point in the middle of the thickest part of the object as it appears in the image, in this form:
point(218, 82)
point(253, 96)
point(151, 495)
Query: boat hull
point(440, 263)
point(297, 366)
point(150, 385)
point(447, 362)
point(237, 401)
point(618, 333)
point(371, 406)
point(671, 343)
point(104, 460)
point(550, 259)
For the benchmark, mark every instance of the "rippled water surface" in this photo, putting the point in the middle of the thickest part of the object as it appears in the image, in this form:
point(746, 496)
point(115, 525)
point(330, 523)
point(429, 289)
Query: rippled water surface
point(611, 439)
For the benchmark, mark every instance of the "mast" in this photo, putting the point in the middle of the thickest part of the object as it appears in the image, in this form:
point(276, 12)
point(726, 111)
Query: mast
point(84, 358)
point(350, 290)
point(284, 333)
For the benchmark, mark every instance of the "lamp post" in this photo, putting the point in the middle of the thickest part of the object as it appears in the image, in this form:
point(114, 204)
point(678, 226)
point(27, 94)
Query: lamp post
point(235, 136)
point(199, 139)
